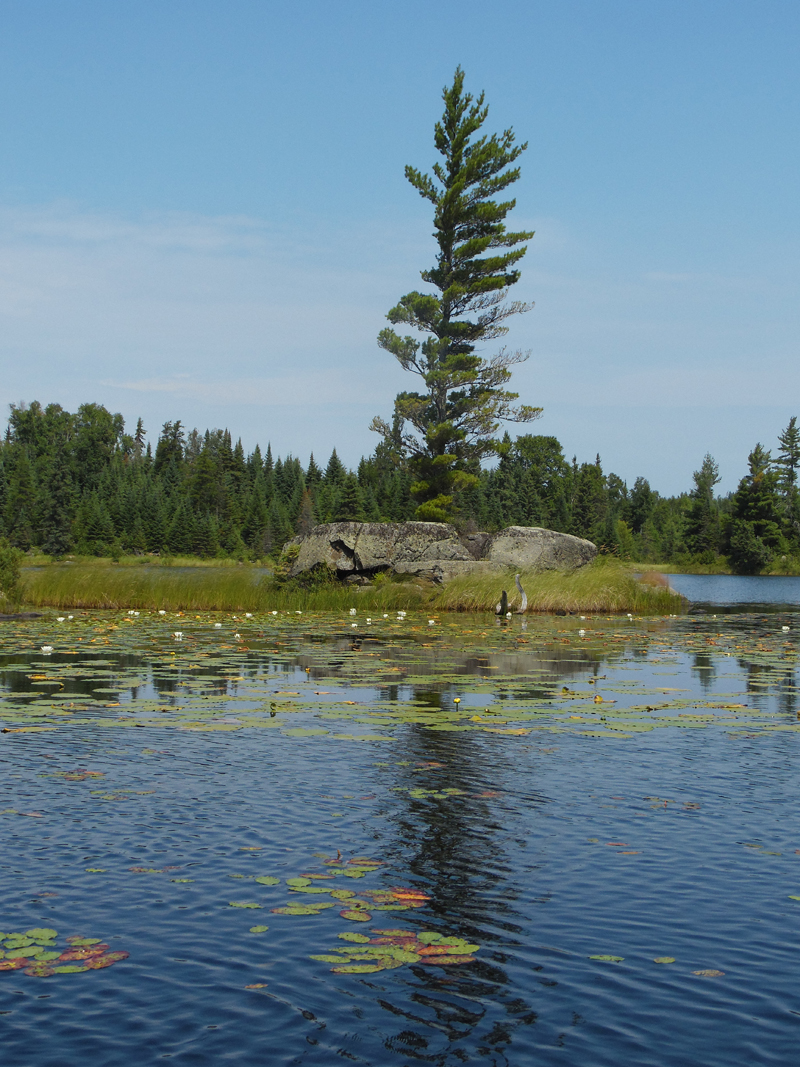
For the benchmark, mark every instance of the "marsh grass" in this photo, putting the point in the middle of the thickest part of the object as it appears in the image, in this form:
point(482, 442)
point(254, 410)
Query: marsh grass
point(603, 587)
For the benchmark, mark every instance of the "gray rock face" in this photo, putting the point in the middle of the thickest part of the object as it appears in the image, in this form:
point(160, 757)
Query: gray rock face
point(532, 548)
point(369, 547)
point(433, 550)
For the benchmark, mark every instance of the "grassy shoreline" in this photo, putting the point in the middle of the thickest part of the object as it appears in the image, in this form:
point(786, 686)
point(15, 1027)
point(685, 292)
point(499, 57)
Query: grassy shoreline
point(605, 587)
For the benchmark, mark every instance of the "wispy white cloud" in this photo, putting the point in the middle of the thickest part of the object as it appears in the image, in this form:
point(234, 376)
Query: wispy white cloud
point(271, 330)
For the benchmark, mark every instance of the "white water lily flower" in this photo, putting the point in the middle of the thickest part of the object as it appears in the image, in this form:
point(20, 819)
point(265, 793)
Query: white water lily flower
point(248, 614)
point(217, 625)
point(386, 616)
point(131, 612)
point(178, 635)
point(162, 612)
point(352, 611)
point(61, 619)
point(785, 629)
point(70, 616)
point(354, 624)
point(431, 622)
point(237, 637)
point(508, 614)
point(581, 632)
point(274, 613)
point(47, 649)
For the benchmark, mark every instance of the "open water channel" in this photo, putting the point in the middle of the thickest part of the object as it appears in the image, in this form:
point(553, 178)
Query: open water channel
point(306, 840)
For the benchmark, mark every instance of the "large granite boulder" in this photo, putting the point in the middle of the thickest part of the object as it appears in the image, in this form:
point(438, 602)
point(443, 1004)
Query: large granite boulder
point(432, 550)
point(369, 547)
point(531, 548)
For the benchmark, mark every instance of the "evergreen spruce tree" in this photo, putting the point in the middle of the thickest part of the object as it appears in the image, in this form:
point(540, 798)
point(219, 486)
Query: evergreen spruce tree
point(788, 462)
point(453, 420)
point(754, 531)
point(702, 530)
point(20, 509)
point(55, 530)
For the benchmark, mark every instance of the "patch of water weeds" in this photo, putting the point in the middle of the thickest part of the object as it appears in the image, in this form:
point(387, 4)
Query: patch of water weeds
point(322, 676)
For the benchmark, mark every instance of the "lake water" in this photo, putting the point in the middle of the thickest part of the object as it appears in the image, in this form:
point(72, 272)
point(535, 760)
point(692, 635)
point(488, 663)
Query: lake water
point(537, 812)
point(737, 592)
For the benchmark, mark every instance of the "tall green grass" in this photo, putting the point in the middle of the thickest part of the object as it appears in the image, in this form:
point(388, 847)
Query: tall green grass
point(602, 587)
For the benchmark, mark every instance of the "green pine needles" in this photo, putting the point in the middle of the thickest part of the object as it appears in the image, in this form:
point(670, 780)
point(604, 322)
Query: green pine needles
point(443, 432)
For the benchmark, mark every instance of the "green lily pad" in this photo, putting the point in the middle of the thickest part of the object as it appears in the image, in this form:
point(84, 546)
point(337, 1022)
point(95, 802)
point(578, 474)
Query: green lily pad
point(359, 968)
point(267, 879)
point(44, 957)
point(295, 883)
point(258, 929)
point(664, 959)
point(72, 968)
point(41, 933)
point(243, 904)
point(608, 959)
point(328, 959)
point(83, 942)
point(356, 916)
point(360, 939)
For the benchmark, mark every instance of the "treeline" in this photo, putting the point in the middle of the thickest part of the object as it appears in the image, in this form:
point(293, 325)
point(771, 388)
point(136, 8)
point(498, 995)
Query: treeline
point(79, 483)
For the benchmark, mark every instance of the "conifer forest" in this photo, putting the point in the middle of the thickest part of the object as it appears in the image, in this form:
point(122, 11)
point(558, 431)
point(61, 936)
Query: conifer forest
point(80, 483)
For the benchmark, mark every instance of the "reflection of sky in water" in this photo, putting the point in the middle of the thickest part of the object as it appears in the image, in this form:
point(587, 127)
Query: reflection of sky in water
point(731, 589)
point(550, 847)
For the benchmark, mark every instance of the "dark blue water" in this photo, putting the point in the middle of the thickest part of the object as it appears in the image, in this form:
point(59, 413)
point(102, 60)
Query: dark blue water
point(674, 843)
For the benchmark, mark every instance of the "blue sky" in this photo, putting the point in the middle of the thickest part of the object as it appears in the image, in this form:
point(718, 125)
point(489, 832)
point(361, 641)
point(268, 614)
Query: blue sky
point(203, 213)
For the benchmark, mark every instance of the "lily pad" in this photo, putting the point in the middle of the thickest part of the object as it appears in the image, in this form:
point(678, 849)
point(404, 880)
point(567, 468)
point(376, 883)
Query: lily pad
point(243, 904)
point(359, 968)
point(258, 929)
point(608, 959)
point(356, 916)
point(348, 935)
point(664, 959)
point(267, 879)
point(709, 973)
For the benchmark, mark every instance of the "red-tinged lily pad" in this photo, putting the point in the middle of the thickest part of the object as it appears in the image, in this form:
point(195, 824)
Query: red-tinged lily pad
point(356, 916)
point(256, 985)
point(39, 970)
point(85, 953)
point(410, 896)
point(108, 959)
point(709, 973)
point(13, 965)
